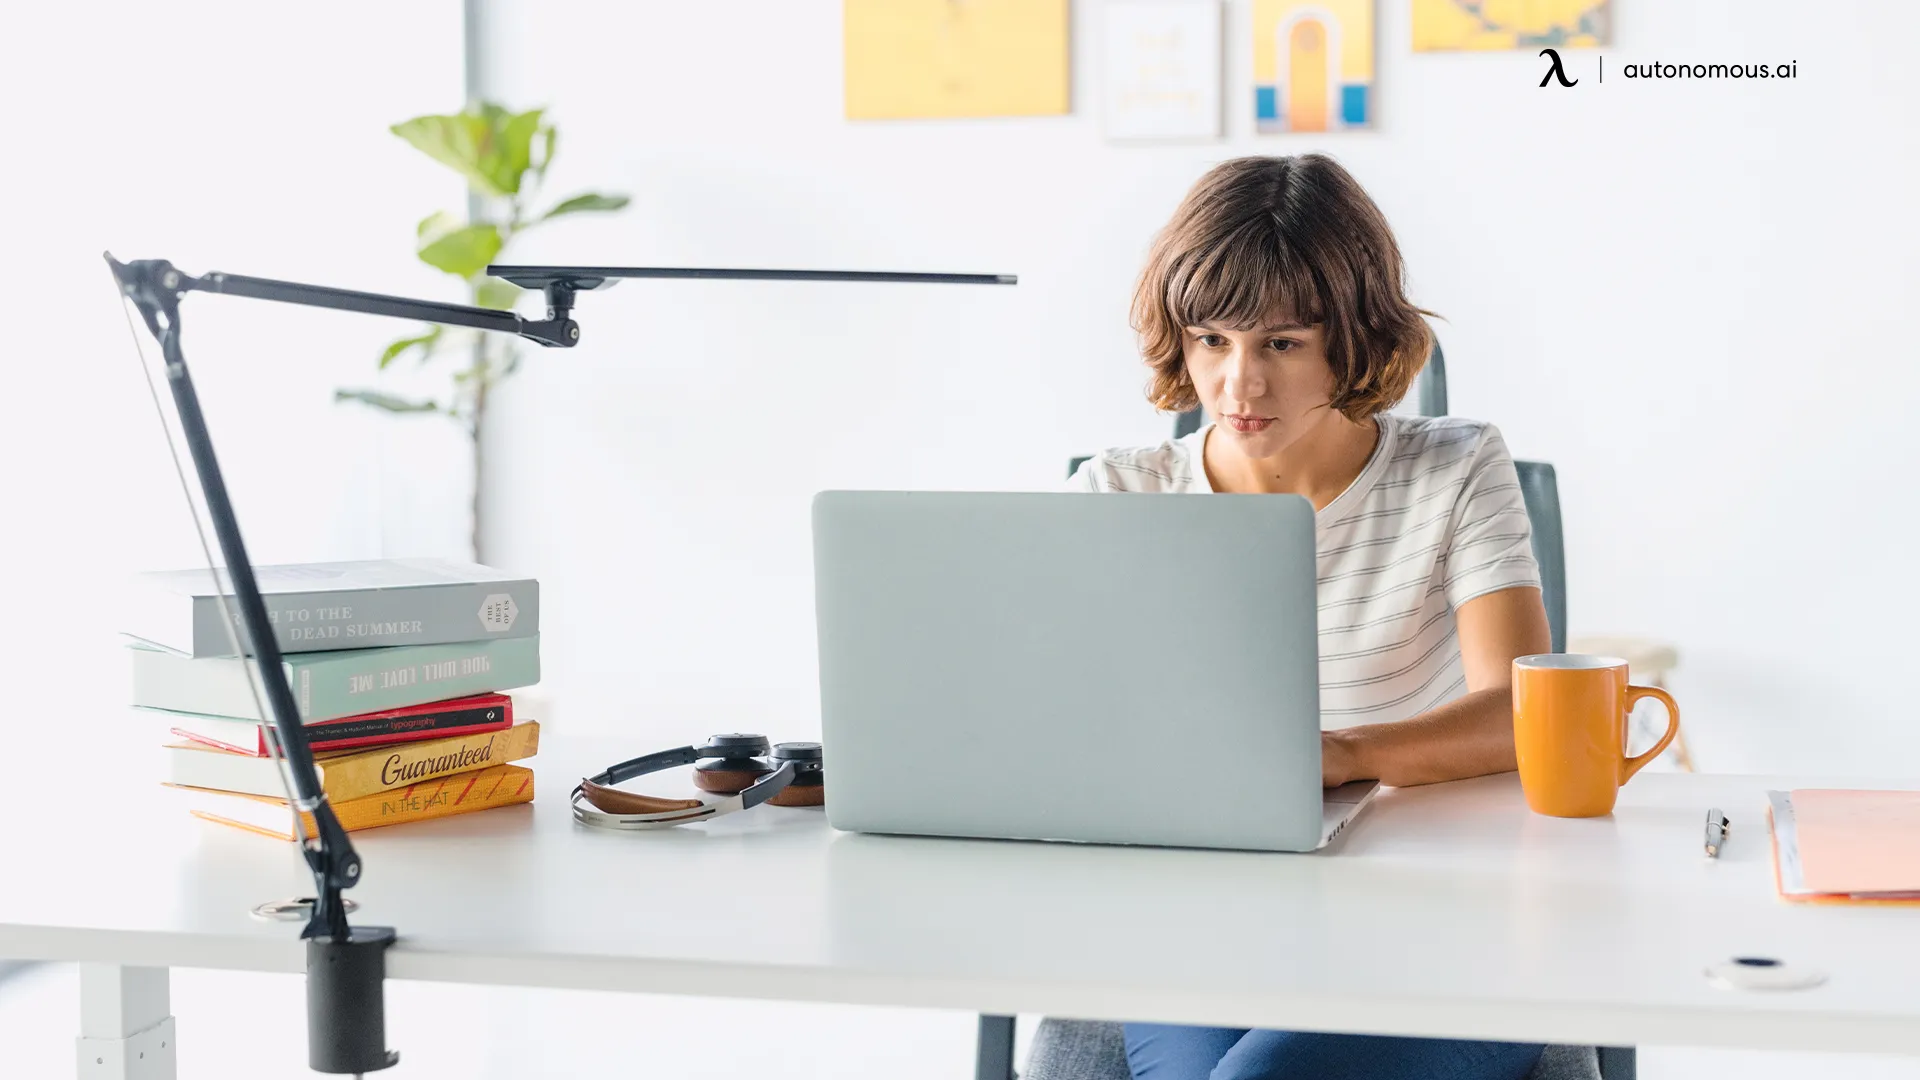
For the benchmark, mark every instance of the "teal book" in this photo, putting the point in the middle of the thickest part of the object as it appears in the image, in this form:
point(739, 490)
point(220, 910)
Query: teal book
point(327, 607)
point(333, 685)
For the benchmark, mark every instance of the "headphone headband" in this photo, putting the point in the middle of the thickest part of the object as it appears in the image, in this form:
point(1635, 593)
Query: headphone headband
point(596, 803)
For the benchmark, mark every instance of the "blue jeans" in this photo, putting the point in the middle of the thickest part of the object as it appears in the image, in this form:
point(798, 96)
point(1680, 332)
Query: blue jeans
point(1175, 1052)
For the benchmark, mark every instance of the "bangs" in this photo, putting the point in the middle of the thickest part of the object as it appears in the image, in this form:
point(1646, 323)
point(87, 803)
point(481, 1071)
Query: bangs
point(1242, 280)
point(1260, 239)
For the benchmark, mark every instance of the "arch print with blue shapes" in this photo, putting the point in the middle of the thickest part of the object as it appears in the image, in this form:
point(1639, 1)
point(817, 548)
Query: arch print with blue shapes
point(1312, 65)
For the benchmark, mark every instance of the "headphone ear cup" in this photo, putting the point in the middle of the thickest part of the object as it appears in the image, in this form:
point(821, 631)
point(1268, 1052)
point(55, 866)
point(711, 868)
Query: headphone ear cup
point(731, 763)
point(797, 795)
point(809, 779)
point(735, 778)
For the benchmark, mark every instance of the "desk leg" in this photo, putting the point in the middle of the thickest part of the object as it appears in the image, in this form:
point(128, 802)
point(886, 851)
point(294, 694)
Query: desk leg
point(993, 1056)
point(1618, 1063)
point(125, 1030)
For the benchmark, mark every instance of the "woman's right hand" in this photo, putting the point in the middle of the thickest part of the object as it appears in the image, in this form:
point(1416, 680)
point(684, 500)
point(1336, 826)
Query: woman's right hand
point(1339, 762)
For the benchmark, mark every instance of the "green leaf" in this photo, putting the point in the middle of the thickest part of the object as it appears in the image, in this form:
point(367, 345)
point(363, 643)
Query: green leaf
point(548, 136)
point(457, 141)
point(486, 144)
point(515, 148)
point(435, 224)
point(385, 401)
point(464, 251)
point(590, 202)
point(496, 294)
point(426, 342)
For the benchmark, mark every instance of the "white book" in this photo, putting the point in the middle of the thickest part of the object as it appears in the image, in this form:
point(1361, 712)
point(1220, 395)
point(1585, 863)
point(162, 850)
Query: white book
point(315, 607)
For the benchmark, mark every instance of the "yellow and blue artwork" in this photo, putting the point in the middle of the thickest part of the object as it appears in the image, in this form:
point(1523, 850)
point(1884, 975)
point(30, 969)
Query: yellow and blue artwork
point(1476, 25)
point(1312, 65)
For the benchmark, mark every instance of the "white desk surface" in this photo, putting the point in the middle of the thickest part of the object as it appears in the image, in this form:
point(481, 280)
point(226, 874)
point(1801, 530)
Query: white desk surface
point(1446, 910)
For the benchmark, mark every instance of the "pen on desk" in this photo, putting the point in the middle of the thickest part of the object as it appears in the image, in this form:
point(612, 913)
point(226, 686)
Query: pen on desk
point(1716, 832)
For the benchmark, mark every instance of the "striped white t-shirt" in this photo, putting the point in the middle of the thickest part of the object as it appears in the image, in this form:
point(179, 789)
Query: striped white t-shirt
point(1434, 519)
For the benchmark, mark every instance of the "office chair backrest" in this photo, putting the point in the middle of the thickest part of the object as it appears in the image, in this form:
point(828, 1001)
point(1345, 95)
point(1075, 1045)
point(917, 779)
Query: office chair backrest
point(1538, 487)
point(1541, 490)
point(1188, 422)
point(1431, 390)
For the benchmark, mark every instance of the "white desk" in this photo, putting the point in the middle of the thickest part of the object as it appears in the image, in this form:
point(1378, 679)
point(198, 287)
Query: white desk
point(1448, 910)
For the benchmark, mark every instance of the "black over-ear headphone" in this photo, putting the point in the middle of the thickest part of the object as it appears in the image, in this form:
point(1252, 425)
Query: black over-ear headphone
point(738, 766)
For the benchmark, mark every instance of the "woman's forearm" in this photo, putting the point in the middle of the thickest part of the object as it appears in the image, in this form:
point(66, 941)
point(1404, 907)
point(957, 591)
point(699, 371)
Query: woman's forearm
point(1469, 736)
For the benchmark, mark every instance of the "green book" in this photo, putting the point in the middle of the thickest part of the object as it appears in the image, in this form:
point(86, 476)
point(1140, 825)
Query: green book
point(332, 685)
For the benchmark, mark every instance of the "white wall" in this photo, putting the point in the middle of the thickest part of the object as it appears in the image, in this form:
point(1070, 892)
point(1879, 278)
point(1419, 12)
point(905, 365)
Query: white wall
point(1694, 298)
point(222, 135)
point(659, 474)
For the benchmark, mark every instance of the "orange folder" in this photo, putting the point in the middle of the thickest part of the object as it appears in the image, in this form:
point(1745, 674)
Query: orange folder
point(1848, 846)
point(1859, 841)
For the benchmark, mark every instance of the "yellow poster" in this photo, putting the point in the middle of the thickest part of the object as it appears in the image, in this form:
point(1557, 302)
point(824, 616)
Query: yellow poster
point(935, 58)
point(1441, 25)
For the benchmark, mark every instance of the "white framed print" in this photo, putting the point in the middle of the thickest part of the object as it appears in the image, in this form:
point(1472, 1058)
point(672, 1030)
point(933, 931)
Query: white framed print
point(1161, 73)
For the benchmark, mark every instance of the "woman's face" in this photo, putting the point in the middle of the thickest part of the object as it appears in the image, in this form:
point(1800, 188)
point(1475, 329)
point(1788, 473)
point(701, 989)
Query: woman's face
point(1266, 386)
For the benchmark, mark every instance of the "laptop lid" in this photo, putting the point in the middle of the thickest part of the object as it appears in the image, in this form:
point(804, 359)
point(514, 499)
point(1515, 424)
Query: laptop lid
point(1108, 668)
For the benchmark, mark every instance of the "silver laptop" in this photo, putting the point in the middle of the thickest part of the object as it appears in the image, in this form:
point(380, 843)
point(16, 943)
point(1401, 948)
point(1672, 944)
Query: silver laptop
point(1128, 669)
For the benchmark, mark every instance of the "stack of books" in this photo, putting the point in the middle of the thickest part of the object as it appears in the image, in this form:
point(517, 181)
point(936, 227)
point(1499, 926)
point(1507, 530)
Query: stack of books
point(398, 670)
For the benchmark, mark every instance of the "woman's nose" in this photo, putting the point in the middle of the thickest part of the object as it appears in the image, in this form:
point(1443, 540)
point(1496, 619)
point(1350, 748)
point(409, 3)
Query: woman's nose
point(1244, 382)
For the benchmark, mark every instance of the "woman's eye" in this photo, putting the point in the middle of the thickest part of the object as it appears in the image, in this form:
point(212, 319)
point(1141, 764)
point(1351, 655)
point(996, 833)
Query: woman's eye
point(1282, 344)
point(1212, 341)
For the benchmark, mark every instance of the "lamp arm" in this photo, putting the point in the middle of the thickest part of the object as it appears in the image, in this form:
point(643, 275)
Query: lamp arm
point(557, 329)
point(346, 1030)
point(346, 966)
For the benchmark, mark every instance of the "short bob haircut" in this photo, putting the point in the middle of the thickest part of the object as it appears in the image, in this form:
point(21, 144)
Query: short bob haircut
point(1290, 235)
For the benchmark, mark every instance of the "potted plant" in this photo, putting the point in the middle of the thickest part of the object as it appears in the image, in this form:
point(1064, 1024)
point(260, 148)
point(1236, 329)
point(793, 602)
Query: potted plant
point(504, 157)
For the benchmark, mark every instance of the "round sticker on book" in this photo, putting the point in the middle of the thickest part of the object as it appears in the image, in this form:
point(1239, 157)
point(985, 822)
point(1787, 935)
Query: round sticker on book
point(497, 613)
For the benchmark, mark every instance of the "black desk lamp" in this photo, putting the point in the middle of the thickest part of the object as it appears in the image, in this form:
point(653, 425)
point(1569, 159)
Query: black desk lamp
point(346, 965)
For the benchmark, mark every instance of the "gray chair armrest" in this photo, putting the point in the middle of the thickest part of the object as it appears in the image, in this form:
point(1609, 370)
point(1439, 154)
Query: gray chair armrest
point(1092, 1050)
point(1567, 1063)
point(1077, 1050)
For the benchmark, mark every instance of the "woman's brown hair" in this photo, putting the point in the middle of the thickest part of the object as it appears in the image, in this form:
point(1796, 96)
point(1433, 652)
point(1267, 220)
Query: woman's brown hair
point(1294, 235)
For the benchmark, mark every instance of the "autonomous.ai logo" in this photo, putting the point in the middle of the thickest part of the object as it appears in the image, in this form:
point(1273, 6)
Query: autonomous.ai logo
point(1554, 70)
point(1641, 72)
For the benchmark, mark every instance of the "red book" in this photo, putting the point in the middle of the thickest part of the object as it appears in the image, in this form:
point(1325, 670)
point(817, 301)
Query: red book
point(434, 720)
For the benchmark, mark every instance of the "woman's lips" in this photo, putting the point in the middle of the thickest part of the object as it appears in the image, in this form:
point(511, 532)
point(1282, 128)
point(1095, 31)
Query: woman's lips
point(1249, 425)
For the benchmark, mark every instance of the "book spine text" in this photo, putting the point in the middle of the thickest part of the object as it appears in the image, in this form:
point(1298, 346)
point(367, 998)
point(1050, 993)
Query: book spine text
point(334, 685)
point(369, 618)
point(372, 772)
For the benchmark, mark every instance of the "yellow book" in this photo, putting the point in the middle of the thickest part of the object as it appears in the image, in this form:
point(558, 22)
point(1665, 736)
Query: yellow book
point(461, 793)
point(346, 775)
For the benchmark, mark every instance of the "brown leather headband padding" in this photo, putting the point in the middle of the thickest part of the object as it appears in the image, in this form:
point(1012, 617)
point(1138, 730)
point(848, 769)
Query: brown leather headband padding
point(614, 801)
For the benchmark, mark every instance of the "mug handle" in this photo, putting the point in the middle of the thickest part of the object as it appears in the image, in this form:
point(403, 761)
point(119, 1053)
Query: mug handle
point(1631, 765)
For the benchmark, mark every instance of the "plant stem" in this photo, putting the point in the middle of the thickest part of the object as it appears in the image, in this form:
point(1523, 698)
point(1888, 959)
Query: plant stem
point(484, 371)
point(476, 432)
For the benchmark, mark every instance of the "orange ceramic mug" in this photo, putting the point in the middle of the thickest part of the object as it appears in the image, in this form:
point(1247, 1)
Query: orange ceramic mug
point(1570, 731)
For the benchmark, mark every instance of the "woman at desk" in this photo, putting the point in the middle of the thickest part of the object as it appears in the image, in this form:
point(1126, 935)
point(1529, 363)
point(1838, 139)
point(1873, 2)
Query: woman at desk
point(1274, 299)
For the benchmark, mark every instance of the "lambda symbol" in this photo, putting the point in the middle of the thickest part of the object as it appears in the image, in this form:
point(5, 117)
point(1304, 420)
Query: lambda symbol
point(1555, 71)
